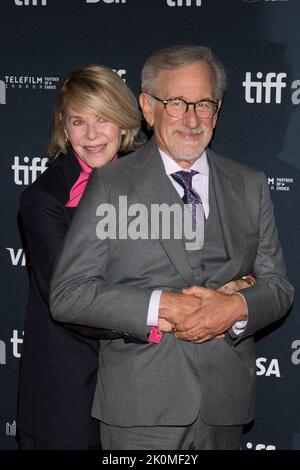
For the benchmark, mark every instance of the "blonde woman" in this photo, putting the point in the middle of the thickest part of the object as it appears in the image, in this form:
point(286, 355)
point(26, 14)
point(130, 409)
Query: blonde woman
point(95, 119)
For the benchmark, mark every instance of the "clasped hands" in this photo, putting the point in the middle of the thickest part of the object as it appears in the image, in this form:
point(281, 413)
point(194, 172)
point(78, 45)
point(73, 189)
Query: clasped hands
point(199, 314)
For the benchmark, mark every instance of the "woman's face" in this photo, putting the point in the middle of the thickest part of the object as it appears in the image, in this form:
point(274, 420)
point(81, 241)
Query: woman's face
point(95, 140)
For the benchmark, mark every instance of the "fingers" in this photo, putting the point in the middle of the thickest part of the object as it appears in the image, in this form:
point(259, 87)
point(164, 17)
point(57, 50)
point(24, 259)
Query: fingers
point(197, 291)
point(230, 287)
point(164, 325)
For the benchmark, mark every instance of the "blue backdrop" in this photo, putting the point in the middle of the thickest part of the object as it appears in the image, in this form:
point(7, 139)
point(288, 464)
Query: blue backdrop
point(259, 43)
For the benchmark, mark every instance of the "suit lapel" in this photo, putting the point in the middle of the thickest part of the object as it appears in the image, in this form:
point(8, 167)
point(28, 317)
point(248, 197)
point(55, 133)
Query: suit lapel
point(152, 186)
point(231, 203)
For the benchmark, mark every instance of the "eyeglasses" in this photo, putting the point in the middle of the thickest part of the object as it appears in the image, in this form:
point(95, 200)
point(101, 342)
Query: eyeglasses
point(177, 107)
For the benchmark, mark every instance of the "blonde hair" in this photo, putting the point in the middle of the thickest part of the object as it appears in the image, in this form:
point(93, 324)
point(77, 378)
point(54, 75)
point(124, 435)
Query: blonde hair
point(97, 90)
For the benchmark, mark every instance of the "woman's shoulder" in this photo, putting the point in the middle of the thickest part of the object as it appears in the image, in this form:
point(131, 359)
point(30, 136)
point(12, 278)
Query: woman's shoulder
point(55, 182)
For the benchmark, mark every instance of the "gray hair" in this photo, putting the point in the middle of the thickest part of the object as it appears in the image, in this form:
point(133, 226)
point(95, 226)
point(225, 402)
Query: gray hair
point(179, 56)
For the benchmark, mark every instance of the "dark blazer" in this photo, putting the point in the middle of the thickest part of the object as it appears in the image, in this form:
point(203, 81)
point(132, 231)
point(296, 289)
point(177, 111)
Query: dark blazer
point(59, 365)
point(169, 383)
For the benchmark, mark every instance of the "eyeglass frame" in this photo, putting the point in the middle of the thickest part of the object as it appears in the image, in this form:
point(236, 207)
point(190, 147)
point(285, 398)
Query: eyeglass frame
point(187, 104)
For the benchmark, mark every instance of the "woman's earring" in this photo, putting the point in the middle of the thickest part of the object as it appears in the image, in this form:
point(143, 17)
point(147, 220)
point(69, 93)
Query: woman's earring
point(67, 141)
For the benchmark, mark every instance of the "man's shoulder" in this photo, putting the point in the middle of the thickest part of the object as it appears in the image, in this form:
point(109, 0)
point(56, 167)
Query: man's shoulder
point(232, 167)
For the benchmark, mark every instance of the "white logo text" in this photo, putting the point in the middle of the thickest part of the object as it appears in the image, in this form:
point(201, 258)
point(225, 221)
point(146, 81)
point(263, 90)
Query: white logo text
point(22, 172)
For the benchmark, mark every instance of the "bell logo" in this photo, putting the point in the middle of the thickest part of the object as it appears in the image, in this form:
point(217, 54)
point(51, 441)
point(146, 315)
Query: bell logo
point(184, 3)
point(263, 369)
point(32, 3)
point(120, 72)
point(106, 1)
point(250, 446)
point(2, 92)
point(258, 91)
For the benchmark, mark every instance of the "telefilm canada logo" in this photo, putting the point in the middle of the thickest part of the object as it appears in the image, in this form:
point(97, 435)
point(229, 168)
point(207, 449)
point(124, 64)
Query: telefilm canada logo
point(35, 82)
point(2, 92)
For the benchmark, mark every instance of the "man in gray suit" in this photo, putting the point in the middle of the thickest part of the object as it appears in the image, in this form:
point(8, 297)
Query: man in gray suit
point(194, 387)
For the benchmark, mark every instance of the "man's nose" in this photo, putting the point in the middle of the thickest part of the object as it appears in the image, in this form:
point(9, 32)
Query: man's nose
point(190, 117)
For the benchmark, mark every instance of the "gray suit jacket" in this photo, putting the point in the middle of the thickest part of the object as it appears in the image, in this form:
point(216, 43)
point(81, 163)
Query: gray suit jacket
point(108, 284)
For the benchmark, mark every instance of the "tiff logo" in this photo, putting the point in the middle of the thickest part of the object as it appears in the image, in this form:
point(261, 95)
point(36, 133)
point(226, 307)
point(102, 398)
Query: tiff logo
point(18, 257)
point(33, 3)
point(184, 3)
point(258, 90)
point(296, 354)
point(22, 172)
point(2, 92)
point(16, 342)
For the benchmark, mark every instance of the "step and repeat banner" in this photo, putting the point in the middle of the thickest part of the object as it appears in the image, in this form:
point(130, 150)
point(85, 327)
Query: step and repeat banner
point(259, 43)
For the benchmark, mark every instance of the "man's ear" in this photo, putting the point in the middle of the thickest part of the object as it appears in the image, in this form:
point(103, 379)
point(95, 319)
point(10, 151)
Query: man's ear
point(215, 118)
point(147, 108)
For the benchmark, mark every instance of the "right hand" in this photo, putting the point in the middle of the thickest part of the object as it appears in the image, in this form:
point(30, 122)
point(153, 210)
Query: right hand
point(176, 306)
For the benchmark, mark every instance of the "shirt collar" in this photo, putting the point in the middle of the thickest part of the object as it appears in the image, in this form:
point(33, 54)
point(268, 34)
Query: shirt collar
point(171, 166)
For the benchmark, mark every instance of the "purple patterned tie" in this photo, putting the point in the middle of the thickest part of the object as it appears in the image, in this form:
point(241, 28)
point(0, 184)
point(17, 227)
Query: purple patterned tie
point(184, 178)
point(190, 197)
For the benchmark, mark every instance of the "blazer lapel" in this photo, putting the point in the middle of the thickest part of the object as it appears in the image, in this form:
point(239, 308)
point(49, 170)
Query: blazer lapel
point(152, 186)
point(231, 203)
point(71, 170)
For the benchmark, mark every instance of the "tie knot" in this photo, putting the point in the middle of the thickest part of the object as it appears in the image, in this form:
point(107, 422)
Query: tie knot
point(184, 178)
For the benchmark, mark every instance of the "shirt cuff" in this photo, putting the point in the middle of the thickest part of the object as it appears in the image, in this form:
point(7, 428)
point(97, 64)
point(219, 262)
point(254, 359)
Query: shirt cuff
point(153, 308)
point(240, 325)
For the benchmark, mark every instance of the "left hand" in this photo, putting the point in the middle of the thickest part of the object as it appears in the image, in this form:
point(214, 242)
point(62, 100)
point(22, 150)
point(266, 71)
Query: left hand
point(216, 314)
